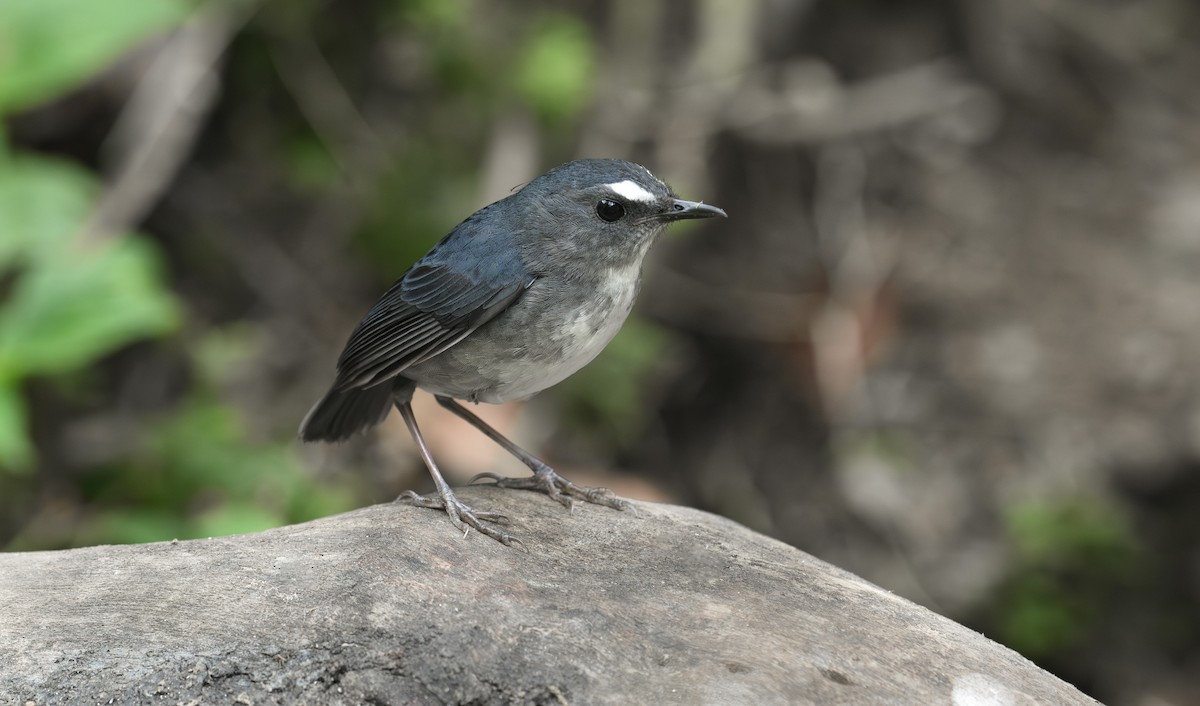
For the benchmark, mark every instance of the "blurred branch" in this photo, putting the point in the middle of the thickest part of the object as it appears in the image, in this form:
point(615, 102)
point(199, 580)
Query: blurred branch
point(720, 87)
point(274, 272)
point(357, 148)
point(158, 126)
point(624, 101)
point(725, 47)
point(1129, 33)
point(856, 270)
point(814, 106)
point(513, 154)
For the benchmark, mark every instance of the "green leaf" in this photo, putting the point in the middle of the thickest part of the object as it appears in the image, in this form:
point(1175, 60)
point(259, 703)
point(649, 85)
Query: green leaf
point(42, 203)
point(321, 501)
point(70, 300)
point(555, 70)
point(435, 15)
point(235, 518)
point(1042, 617)
point(127, 526)
point(1082, 533)
point(48, 46)
point(62, 315)
point(310, 166)
point(16, 453)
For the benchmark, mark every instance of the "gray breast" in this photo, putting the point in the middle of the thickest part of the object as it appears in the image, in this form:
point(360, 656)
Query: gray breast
point(552, 331)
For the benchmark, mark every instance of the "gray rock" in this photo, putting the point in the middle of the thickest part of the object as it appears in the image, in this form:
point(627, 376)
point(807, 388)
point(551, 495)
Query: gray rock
point(389, 605)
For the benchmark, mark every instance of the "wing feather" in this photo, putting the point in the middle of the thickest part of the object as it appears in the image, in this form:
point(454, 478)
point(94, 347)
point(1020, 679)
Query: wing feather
point(472, 275)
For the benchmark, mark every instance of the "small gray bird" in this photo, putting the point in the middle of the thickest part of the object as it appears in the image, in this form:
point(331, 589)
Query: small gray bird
point(519, 296)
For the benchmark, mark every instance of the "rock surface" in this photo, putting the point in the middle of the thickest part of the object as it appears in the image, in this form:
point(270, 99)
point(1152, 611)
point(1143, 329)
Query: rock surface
point(389, 605)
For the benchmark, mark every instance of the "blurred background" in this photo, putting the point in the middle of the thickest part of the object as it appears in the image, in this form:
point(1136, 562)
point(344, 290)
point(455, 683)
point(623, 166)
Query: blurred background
point(947, 339)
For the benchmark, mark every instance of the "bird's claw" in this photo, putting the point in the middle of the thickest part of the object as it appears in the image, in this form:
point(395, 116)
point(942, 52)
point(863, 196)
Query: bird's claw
point(463, 517)
point(546, 480)
point(486, 474)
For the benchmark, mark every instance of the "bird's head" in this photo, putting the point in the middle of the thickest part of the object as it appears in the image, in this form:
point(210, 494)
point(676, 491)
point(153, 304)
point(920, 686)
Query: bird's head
point(606, 211)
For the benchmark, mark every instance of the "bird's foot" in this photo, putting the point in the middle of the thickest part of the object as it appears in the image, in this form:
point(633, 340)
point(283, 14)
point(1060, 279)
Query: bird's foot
point(462, 516)
point(545, 479)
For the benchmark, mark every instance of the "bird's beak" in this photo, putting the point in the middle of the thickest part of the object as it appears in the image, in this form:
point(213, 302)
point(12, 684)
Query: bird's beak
point(681, 210)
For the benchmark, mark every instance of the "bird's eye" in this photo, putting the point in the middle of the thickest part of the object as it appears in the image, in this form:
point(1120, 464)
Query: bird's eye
point(609, 210)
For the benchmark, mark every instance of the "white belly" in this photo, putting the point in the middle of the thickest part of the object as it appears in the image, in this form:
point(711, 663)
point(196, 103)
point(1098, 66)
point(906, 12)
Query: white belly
point(497, 366)
point(589, 331)
point(588, 334)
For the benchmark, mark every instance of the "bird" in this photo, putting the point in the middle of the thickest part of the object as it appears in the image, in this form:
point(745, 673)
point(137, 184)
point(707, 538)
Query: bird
point(516, 298)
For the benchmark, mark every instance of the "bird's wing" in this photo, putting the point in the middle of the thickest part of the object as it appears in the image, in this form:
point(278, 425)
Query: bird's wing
point(472, 275)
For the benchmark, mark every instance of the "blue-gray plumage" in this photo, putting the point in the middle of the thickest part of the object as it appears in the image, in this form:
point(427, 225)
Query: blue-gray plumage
point(517, 297)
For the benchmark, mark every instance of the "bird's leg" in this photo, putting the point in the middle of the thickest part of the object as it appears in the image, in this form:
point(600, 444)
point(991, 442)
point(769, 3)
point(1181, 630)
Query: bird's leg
point(462, 516)
point(544, 477)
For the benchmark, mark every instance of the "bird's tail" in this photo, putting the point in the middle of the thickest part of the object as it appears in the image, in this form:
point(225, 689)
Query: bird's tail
point(342, 413)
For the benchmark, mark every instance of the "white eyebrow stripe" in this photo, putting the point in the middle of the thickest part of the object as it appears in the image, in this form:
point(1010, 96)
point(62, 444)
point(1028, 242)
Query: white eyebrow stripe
point(631, 191)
